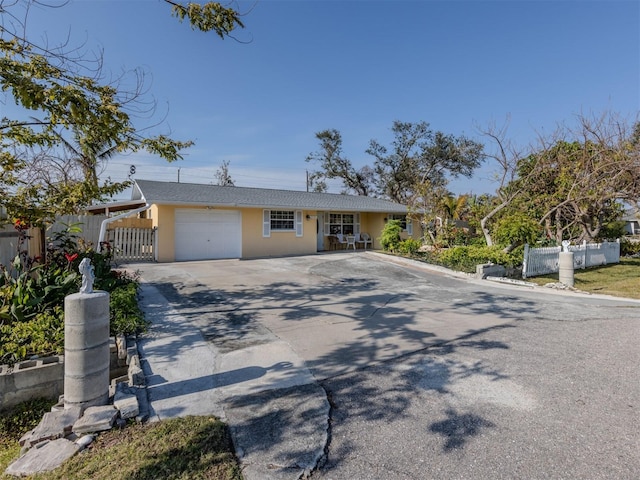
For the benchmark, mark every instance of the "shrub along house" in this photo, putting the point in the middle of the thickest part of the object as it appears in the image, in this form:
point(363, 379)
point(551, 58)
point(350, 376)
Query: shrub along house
point(200, 222)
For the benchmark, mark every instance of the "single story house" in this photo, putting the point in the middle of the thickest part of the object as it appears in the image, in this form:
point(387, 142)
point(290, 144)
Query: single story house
point(198, 222)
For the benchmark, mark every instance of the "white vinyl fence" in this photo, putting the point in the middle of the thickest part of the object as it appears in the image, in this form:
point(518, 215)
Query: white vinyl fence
point(541, 261)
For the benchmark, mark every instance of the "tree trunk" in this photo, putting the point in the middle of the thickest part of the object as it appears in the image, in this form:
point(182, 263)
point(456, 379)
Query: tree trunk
point(547, 227)
point(489, 216)
point(510, 248)
point(559, 229)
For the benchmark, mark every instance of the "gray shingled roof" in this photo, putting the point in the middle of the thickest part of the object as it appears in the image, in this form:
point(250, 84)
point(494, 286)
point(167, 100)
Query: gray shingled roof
point(173, 193)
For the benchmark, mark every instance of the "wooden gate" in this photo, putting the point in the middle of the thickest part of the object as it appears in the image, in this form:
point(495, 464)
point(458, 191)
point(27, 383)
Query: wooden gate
point(133, 244)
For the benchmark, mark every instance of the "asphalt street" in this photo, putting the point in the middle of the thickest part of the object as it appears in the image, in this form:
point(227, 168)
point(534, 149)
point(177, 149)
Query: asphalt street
point(347, 366)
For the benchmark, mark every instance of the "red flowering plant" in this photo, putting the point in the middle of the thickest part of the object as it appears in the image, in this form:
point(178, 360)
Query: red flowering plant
point(33, 285)
point(66, 249)
point(21, 225)
point(32, 292)
point(70, 258)
point(62, 248)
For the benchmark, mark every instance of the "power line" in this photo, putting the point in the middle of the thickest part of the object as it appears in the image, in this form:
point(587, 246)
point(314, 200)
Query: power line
point(268, 177)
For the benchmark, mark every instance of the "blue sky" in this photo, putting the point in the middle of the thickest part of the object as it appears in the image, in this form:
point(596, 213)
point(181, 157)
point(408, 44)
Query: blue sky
point(304, 66)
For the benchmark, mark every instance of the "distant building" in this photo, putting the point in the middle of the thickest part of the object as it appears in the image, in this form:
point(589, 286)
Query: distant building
point(631, 218)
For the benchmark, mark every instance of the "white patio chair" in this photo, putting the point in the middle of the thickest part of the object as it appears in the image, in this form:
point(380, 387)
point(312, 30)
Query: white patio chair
point(341, 240)
point(366, 239)
point(351, 241)
point(357, 240)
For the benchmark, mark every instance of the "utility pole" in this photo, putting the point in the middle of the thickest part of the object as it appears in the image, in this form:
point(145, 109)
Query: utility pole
point(178, 174)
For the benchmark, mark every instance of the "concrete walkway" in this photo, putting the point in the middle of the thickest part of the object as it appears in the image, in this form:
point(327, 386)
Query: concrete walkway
point(277, 414)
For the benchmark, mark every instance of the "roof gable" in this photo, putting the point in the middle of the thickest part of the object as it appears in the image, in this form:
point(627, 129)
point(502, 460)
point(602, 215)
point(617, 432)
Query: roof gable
point(173, 193)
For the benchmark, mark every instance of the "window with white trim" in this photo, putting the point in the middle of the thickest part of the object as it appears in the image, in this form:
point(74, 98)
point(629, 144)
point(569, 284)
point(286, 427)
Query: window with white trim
point(341, 223)
point(405, 222)
point(282, 221)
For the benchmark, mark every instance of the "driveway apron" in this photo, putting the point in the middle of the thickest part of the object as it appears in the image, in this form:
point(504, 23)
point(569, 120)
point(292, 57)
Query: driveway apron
point(298, 354)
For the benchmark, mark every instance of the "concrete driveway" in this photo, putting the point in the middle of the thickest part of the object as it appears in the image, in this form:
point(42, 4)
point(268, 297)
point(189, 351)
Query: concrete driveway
point(350, 366)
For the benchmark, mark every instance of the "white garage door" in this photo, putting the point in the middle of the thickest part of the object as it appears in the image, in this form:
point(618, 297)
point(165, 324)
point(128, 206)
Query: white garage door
point(208, 234)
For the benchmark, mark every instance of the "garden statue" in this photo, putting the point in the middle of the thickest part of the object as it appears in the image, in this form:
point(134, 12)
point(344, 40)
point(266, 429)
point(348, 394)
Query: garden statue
point(565, 245)
point(86, 269)
point(86, 343)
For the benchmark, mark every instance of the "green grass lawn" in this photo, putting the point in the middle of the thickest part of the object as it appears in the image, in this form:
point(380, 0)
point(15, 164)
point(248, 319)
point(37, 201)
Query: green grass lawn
point(620, 279)
point(183, 448)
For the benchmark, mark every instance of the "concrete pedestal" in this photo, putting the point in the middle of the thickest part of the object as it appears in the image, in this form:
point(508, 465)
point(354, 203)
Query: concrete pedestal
point(565, 272)
point(86, 349)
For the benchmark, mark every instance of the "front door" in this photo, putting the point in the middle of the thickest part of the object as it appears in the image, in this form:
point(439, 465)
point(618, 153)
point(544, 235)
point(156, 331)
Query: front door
point(320, 230)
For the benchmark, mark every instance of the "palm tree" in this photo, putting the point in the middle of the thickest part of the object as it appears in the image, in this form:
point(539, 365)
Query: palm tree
point(88, 154)
point(453, 207)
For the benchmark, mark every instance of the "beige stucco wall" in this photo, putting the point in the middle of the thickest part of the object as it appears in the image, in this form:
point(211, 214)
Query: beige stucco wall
point(163, 217)
point(253, 243)
point(279, 243)
point(372, 223)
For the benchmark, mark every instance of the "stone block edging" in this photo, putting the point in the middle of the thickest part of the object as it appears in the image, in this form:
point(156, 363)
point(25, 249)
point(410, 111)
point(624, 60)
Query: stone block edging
point(44, 377)
point(29, 379)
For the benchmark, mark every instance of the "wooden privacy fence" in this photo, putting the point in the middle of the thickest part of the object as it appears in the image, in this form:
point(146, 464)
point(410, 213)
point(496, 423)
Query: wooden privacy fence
point(133, 244)
point(131, 241)
point(89, 226)
point(8, 245)
point(541, 261)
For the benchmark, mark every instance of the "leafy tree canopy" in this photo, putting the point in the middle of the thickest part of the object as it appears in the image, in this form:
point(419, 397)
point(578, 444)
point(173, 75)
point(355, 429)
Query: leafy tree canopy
point(334, 164)
point(573, 182)
point(70, 117)
point(417, 156)
point(211, 16)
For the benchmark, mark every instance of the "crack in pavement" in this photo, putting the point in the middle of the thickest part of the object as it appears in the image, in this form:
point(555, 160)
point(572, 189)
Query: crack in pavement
point(327, 446)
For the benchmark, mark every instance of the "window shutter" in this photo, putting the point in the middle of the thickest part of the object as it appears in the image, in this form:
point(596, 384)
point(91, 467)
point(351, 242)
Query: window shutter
point(298, 223)
point(327, 228)
point(409, 227)
point(356, 223)
point(266, 223)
